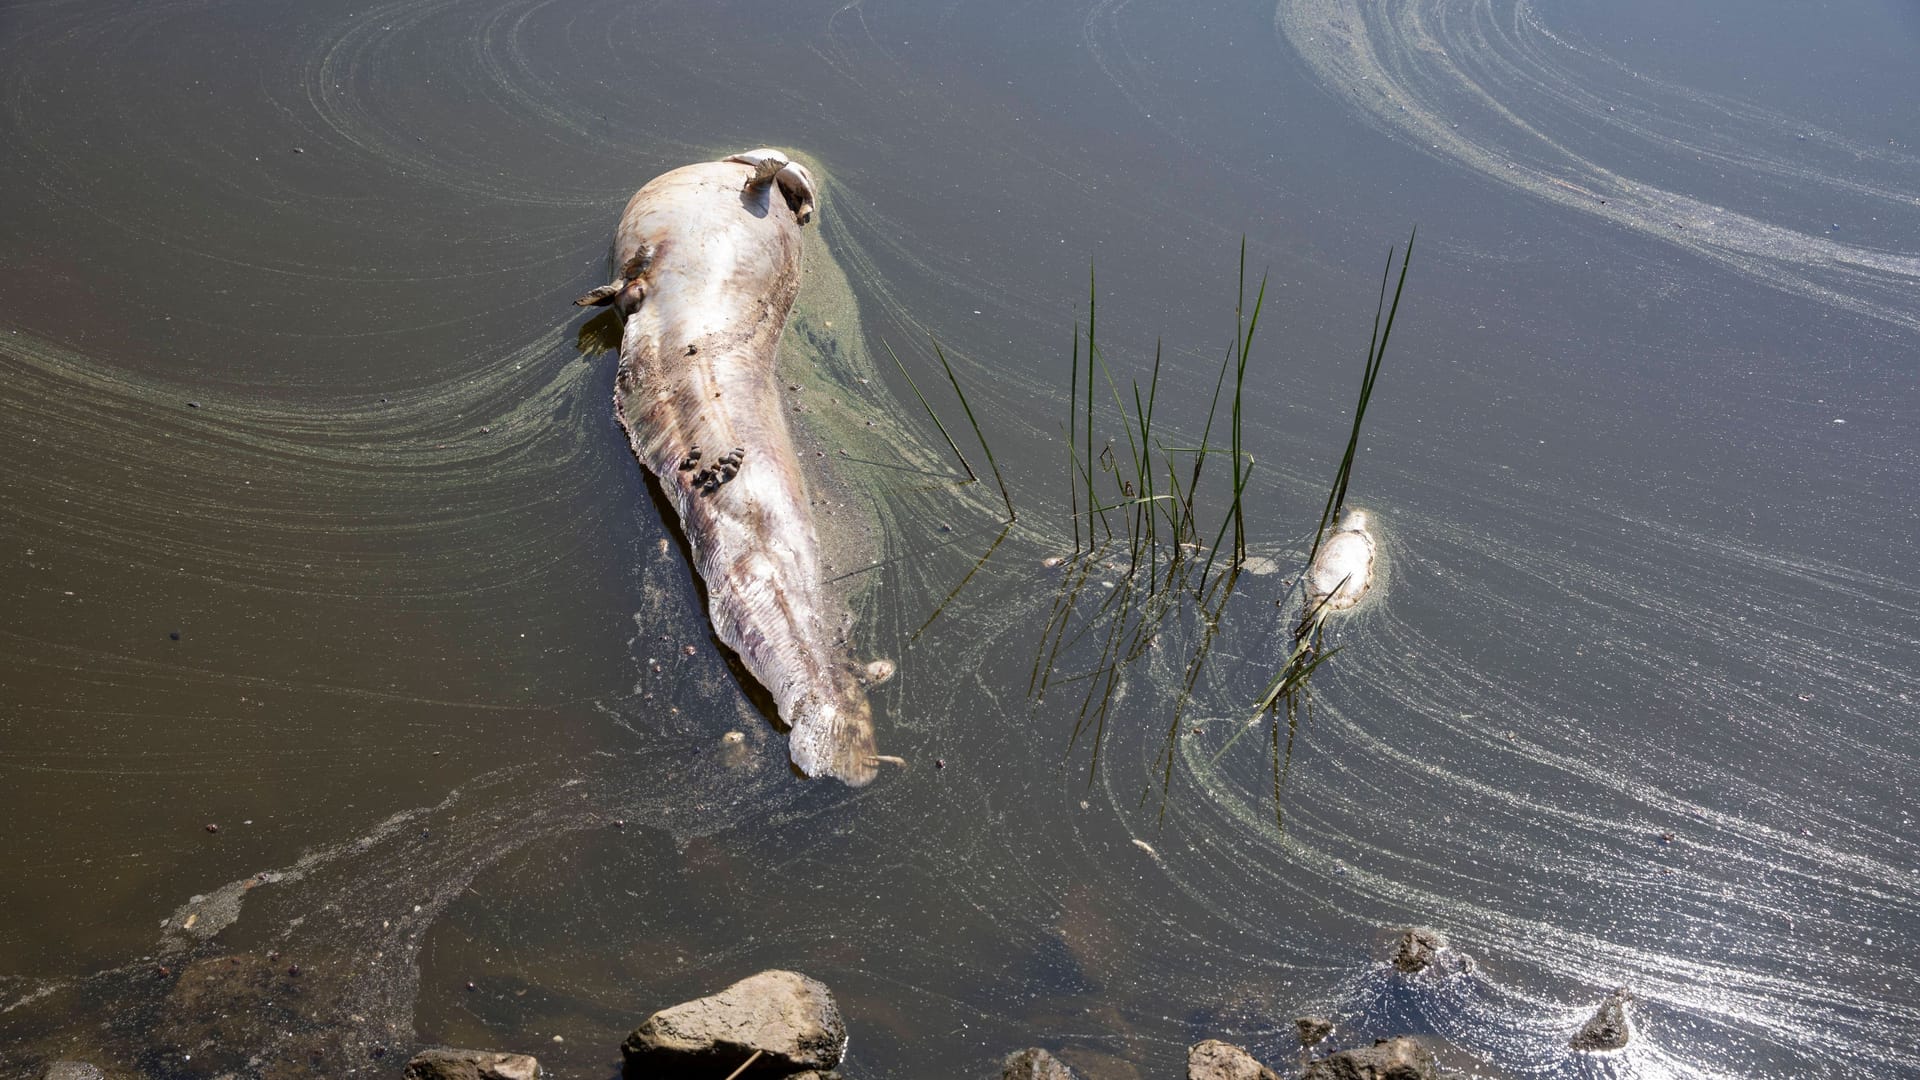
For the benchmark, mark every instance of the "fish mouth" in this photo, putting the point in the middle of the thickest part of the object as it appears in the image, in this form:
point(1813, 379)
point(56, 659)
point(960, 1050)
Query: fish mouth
point(831, 733)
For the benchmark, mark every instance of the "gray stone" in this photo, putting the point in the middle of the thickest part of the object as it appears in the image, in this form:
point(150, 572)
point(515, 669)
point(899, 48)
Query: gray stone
point(1388, 1059)
point(1034, 1063)
point(1216, 1060)
point(1607, 1028)
point(447, 1063)
point(788, 1017)
point(74, 1070)
point(1417, 949)
point(1313, 1030)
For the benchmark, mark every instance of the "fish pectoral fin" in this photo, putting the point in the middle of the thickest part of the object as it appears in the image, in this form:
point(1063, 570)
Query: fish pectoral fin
point(628, 282)
point(601, 296)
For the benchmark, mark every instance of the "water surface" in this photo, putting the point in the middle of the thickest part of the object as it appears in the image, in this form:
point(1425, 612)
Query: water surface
point(290, 372)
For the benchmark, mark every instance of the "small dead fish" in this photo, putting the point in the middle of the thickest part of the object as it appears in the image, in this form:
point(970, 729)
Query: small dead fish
point(1343, 568)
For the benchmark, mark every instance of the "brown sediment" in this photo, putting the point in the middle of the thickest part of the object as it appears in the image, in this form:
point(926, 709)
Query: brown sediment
point(709, 260)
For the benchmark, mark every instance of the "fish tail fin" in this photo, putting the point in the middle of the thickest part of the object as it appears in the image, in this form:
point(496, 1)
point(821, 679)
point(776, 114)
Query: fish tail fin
point(796, 183)
point(766, 161)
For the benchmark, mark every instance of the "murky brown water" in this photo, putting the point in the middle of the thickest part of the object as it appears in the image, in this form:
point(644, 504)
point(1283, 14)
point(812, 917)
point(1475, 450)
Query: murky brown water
point(287, 369)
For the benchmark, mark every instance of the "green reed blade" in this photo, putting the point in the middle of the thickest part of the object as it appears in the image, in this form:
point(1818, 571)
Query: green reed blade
point(968, 409)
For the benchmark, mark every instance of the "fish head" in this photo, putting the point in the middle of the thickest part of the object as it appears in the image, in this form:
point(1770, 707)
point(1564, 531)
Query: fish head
point(832, 730)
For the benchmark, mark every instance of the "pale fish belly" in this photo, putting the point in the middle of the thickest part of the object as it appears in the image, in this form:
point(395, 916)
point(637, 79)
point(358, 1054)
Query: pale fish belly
point(707, 265)
point(1343, 568)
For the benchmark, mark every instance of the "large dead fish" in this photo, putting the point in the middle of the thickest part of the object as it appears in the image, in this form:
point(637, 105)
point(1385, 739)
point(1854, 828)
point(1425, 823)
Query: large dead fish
point(707, 264)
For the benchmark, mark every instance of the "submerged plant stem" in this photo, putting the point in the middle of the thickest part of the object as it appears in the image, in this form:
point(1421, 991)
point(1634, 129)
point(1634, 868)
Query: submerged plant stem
point(935, 417)
point(968, 409)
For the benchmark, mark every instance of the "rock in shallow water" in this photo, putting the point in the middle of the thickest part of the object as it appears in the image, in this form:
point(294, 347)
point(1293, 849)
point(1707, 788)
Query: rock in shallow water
point(1607, 1028)
point(1313, 1030)
point(791, 1019)
point(1417, 949)
point(447, 1063)
point(1034, 1063)
point(1388, 1059)
point(1216, 1060)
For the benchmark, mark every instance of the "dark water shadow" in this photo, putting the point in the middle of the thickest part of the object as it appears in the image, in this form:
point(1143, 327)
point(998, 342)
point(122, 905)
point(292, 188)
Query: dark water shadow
point(599, 334)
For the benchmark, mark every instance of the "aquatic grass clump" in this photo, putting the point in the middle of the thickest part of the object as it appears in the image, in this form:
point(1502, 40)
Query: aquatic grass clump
point(1162, 562)
point(1164, 532)
point(1152, 544)
point(1134, 482)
